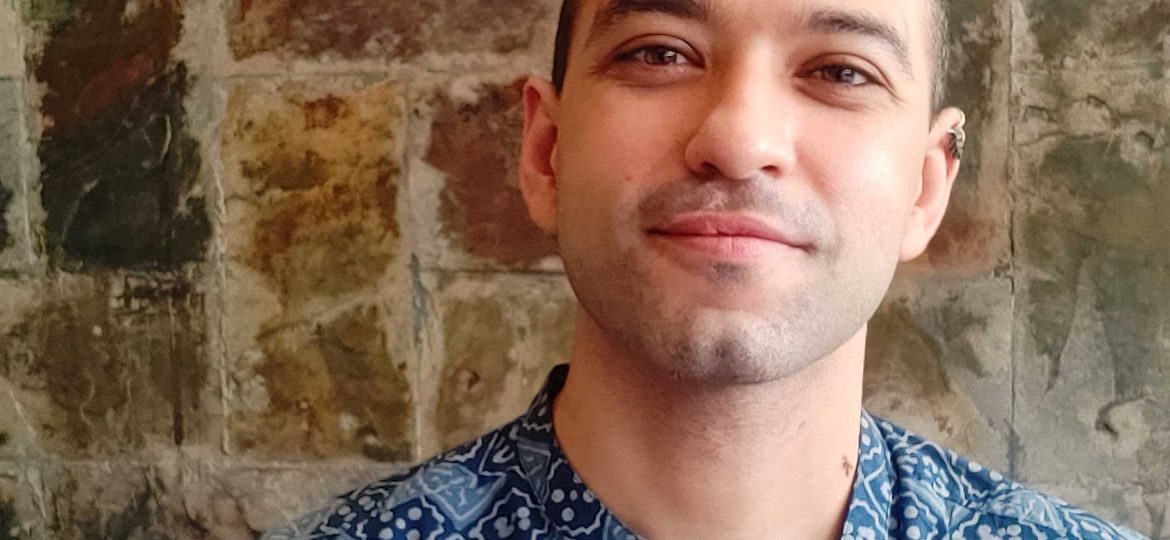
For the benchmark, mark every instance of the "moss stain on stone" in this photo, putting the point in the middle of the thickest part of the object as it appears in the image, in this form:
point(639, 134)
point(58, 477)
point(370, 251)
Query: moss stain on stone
point(9, 521)
point(119, 368)
point(899, 347)
point(373, 29)
point(333, 388)
point(326, 170)
point(119, 182)
point(478, 147)
point(8, 518)
point(50, 11)
point(1053, 21)
point(1093, 168)
point(1143, 28)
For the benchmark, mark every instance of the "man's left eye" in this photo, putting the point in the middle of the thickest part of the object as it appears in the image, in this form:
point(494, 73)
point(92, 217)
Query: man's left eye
point(841, 74)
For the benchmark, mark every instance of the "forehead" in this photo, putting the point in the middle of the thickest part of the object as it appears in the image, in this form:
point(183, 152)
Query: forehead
point(909, 19)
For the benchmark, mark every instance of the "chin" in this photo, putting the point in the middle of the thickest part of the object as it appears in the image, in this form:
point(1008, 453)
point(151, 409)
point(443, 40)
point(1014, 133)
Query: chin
point(728, 347)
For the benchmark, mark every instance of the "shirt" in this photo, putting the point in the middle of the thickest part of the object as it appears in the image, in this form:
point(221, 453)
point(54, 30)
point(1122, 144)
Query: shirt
point(516, 483)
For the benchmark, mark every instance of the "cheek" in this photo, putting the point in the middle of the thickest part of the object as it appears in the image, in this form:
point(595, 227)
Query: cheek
point(867, 177)
point(616, 145)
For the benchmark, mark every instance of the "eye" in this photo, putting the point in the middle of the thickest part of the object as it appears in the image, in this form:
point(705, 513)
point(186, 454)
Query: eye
point(843, 75)
point(654, 55)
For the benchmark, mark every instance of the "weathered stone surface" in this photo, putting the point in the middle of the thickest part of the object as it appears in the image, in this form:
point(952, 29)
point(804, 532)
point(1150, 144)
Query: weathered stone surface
point(938, 362)
point(111, 365)
point(119, 170)
point(14, 249)
point(1119, 502)
point(177, 498)
point(489, 344)
point(114, 500)
point(318, 299)
point(330, 388)
point(1093, 285)
point(21, 501)
point(272, 497)
point(11, 64)
point(404, 31)
point(1112, 33)
point(974, 238)
point(313, 183)
point(467, 205)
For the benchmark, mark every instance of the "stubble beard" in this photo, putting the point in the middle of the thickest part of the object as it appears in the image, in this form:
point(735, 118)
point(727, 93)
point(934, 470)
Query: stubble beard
point(716, 346)
point(806, 321)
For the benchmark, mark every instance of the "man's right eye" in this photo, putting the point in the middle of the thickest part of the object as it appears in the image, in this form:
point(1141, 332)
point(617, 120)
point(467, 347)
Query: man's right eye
point(654, 55)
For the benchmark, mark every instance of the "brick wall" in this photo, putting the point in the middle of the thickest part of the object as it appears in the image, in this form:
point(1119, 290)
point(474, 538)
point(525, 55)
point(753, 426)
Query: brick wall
point(257, 252)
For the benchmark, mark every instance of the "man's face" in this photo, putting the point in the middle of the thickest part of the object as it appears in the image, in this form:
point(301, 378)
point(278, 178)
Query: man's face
point(736, 180)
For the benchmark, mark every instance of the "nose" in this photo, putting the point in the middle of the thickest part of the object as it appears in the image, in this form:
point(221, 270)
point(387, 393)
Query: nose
point(747, 131)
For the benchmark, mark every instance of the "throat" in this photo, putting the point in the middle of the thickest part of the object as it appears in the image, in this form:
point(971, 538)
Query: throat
point(671, 460)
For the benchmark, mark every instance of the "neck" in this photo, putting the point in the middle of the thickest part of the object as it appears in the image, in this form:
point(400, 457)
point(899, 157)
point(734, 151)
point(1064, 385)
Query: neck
point(680, 459)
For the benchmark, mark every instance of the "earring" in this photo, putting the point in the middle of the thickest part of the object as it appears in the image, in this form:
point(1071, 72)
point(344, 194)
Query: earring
point(958, 139)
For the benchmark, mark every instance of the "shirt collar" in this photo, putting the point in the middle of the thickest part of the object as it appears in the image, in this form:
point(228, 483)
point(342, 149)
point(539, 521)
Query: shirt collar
point(551, 476)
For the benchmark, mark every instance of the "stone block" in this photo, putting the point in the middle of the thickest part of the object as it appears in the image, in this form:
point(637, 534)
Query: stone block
point(120, 172)
point(11, 59)
point(974, 238)
point(332, 387)
point(313, 171)
point(489, 343)
point(467, 207)
point(114, 365)
point(938, 362)
point(15, 251)
point(1092, 177)
point(318, 322)
point(395, 32)
point(1087, 35)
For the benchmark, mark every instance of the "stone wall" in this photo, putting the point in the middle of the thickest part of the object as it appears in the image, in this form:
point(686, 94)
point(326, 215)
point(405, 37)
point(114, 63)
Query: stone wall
point(257, 252)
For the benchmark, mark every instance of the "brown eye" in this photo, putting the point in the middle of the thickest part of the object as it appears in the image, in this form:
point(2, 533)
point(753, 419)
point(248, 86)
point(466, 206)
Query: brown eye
point(843, 75)
point(655, 55)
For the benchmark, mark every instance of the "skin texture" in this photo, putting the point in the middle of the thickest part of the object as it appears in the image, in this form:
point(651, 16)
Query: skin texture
point(726, 372)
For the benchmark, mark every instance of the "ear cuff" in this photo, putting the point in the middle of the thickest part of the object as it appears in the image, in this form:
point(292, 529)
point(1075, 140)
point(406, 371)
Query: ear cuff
point(958, 138)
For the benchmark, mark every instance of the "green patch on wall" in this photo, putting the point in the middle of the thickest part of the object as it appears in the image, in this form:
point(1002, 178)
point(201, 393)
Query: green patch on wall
point(1097, 167)
point(120, 172)
point(50, 11)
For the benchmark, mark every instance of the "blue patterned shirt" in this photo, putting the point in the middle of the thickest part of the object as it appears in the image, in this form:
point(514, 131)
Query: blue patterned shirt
point(515, 483)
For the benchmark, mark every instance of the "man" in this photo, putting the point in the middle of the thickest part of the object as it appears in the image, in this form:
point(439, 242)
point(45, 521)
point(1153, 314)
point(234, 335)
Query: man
point(732, 184)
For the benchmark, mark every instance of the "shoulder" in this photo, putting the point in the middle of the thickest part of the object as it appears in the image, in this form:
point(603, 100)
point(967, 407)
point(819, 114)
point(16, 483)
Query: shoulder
point(476, 488)
point(940, 494)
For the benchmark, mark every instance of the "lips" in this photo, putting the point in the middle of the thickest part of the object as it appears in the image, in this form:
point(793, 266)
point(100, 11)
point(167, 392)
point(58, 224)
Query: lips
point(703, 225)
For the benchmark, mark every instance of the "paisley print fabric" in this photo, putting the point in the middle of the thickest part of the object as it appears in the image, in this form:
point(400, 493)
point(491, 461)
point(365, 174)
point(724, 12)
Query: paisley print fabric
point(516, 483)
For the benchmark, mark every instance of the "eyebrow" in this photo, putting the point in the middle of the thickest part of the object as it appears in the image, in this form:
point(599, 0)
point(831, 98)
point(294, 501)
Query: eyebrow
point(614, 10)
point(834, 21)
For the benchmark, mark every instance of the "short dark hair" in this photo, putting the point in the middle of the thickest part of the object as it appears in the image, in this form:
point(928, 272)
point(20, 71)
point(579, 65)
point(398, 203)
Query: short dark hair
point(938, 18)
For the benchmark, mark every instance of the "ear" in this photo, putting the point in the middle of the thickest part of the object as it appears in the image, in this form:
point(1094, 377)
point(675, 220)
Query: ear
point(939, 169)
point(538, 178)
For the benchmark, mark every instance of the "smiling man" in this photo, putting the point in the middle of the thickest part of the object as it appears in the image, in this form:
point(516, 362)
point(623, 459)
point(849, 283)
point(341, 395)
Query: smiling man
point(732, 184)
